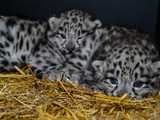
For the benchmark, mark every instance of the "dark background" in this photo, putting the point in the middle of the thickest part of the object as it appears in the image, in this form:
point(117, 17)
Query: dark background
point(141, 14)
point(133, 13)
point(157, 35)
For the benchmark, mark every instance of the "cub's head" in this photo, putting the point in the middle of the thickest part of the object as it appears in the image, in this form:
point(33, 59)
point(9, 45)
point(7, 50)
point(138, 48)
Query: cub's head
point(137, 75)
point(69, 30)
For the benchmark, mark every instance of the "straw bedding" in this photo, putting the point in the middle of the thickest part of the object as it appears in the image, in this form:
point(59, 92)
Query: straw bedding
point(24, 97)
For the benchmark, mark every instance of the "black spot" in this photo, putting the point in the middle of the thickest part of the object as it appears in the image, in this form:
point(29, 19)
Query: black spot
point(117, 73)
point(93, 37)
point(74, 20)
point(1, 45)
point(18, 34)
point(110, 71)
point(37, 55)
point(36, 49)
point(16, 47)
point(23, 57)
point(38, 62)
point(74, 55)
point(45, 67)
point(140, 53)
point(145, 61)
point(61, 28)
point(84, 57)
point(29, 29)
point(8, 53)
point(43, 51)
point(125, 63)
point(120, 64)
point(11, 22)
point(120, 51)
point(63, 36)
point(53, 64)
point(136, 66)
point(136, 48)
point(22, 27)
point(27, 45)
point(127, 58)
point(2, 33)
point(33, 41)
point(48, 61)
point(80, 25)
point(79, 64)
point(79, 34)
point(117, 57)
point(2, 52)
point(91, 46)
point(6, 44)
point(124, 48)
point(127, 52)
point(84, 43)
point(10, 38)
point(85, 32)
point(132, 58)
point(115, 49)
point(38, 31)
point(21, 43)
point(115, 65)
point(4, 62)
point(145, 76)
point(136, 75)
point(134, 91)
point(65, 23)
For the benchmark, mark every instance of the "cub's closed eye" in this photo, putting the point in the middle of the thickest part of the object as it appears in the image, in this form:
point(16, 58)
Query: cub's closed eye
point(63, 36)
point(138, 84)
point(61, 28)
point(111, 80)
point(83, 31)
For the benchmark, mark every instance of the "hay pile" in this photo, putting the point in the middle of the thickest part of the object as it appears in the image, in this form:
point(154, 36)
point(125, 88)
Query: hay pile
point(24, 97)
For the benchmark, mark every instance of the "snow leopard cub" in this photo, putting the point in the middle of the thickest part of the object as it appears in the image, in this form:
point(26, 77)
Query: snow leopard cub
point(129, 64)
point(77, 37)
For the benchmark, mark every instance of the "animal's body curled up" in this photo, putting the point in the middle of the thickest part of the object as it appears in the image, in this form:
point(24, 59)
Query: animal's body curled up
point(128, 64)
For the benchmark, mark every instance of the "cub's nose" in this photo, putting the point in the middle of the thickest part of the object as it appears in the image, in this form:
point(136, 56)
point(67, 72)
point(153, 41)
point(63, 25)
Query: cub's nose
point(70, 46)
point(121, 92)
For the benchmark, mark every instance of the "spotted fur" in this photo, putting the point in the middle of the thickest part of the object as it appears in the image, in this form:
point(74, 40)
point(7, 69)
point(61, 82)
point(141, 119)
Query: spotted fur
point(18, 39)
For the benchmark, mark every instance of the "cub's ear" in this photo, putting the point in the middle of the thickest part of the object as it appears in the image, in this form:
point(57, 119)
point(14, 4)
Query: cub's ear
point(93, 24)
point(155, 66)
point(54, 22)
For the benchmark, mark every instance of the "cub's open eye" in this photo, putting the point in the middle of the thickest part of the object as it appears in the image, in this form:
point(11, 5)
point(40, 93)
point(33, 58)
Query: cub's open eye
point(138, 84)
point(111, 80)
point(114, 81)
